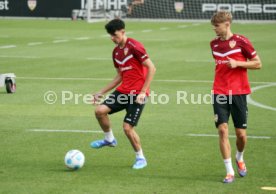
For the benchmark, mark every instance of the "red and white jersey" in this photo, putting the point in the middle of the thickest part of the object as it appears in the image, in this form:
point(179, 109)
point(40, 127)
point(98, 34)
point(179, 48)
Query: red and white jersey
point(129, 62)
point(231, 81)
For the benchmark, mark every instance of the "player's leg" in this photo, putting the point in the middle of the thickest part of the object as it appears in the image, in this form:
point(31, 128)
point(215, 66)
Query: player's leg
point(222, 113)
point(101, 113)
point(109, 106)
point(134, 139)
point(132, 136)
point(134, 112)
point(240, 143)
point(225, 149)
point(239, 114)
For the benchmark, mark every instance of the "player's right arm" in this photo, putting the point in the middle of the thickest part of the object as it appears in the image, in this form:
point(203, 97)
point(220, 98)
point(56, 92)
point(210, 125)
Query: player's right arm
point(254, 63)
point(116, 81)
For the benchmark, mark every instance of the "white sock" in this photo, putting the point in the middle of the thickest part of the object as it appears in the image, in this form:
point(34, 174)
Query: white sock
point(140, 154)
point(228, 166)
point(239, 156)
point(109, 136)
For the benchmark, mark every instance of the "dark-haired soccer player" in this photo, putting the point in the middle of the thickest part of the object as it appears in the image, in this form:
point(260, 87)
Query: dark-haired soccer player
point(233, 55)
point(135, 72)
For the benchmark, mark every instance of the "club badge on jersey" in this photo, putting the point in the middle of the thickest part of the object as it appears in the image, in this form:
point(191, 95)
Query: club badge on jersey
point(232, 43)
point(125, 51)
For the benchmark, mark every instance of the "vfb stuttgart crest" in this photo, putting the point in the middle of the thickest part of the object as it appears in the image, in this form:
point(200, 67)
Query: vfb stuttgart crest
point(125, 51)
point(232, 43)
point(32, 4)
point(178, 6)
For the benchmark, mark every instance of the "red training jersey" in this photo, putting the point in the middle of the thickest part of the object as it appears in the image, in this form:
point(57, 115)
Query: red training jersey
point(231, 81)
point(129, 62)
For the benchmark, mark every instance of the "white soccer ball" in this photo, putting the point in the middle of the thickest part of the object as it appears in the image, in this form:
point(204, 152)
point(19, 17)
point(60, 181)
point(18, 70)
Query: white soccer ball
point(74, 159)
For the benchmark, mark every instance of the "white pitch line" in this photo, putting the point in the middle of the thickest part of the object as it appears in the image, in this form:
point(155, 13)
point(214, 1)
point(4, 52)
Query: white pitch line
point(99, 59)
point(269, 188)
point(231, 136)
point(182, 26)
point(155, 40)
point(34, 43)
point(253, 102)
point(82, 38)
point(164, 28)
point(183, 81)
point(7, 46)
point(145, 31)
point(130, 32)
point(22, 57)
point(106, 79)
point(198, 61)
point(59, 41)
point(63, 78)
point(63, 131)
point(105, 35)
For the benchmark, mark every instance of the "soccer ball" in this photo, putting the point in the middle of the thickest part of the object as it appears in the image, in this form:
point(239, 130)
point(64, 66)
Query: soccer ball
point(74, 159)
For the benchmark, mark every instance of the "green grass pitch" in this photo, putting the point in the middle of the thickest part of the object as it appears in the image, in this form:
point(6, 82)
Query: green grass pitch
point(32, 162)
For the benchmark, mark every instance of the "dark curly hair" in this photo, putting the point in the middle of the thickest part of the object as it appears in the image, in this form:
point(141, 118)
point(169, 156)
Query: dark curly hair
point(114, 25)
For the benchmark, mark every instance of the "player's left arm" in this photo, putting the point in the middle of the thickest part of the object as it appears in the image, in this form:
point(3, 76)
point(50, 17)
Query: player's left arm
point(254, 63)
point(151, 71)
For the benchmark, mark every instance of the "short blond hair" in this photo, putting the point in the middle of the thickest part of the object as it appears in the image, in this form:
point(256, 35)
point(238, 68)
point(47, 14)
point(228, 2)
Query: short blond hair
point(221, 16)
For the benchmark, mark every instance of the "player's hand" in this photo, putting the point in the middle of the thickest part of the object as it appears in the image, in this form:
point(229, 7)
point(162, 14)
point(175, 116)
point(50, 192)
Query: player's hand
point(141, 98)
point(232, 63)
point(97, 97)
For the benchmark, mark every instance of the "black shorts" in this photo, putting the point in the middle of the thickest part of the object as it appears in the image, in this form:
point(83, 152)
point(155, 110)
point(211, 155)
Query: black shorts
point(118, 101)
point(236, 105)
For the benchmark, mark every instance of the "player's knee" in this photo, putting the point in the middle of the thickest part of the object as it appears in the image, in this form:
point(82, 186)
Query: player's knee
point(223, 130)
point(100, 111)
point(127, 128)
point(241, 134)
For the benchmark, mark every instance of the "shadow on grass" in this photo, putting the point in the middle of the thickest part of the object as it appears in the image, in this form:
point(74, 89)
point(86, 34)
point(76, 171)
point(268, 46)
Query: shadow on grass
point(95, 168)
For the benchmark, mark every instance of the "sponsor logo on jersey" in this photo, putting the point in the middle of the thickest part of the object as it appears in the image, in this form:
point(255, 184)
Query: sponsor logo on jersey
point(32, 4)
point(232, 43)
point(221, 62)
point(125, 68)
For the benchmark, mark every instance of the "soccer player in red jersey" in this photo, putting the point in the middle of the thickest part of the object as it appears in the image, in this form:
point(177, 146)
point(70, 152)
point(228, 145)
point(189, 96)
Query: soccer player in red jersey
point(233, 55)
point(135, 72)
